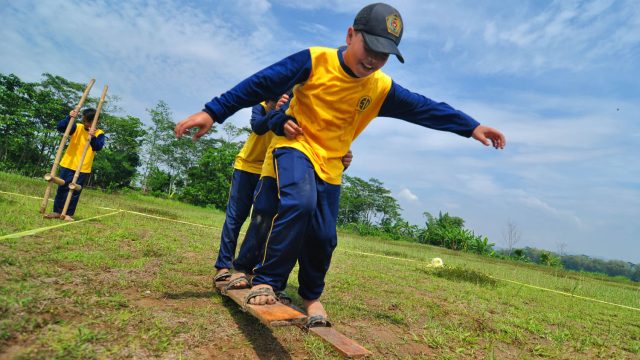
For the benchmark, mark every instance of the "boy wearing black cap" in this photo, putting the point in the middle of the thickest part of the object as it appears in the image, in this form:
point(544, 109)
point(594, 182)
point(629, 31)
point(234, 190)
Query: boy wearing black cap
point(341, 91)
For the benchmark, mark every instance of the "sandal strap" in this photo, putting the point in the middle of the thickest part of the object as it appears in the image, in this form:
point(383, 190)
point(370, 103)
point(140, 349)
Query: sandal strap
point(232, 284)
point(317, 321)
point(222, 276)
point(267, 291)
point(283, 297)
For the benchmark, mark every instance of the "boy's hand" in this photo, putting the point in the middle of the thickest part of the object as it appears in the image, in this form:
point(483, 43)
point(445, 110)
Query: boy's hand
point(484, 134)
point(92, 132)
point(73, 114)
point(291, 130)
point(201, 120)
point(346, 160)
point(283, 100)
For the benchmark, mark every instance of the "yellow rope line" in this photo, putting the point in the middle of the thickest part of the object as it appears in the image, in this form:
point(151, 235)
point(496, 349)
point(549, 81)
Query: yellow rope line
point(29, 196)
point(35, 231)
point(506, 280)
point(161, 218)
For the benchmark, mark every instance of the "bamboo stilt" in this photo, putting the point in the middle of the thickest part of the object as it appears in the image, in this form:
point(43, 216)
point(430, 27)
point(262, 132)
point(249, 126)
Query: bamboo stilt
point(54, 179)
point(56, 161)
point(73, 184)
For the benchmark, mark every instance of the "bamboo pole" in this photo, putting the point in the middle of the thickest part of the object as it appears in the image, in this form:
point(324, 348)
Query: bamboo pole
point(51, 176)
point(73, 184)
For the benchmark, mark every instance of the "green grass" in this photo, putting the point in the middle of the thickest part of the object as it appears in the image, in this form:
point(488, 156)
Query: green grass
point(132, 286)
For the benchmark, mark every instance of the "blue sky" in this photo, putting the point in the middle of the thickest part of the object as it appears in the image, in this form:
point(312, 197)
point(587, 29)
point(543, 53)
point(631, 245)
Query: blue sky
point(559, 78)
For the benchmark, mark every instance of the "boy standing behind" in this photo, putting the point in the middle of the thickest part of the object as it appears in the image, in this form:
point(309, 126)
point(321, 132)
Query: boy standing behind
point(341, 92)
point(246, 173)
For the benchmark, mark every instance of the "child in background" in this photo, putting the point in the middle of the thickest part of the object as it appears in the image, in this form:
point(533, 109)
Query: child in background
point(71, 159)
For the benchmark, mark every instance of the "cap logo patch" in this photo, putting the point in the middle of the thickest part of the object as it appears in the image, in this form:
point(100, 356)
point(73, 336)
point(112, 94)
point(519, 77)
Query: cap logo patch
point(364, 103)
point(394, 25)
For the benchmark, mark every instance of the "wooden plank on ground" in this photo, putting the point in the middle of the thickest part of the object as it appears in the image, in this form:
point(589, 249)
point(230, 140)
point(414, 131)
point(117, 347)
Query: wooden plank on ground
point(279, 314)
point(341, 343)
point(270, 315)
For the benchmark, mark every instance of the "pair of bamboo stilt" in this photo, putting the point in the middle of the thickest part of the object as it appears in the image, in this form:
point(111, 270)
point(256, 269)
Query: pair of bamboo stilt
point(51, 176)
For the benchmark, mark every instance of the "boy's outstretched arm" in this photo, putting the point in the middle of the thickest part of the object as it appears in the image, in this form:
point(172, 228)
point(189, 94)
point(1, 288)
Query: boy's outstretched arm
point(489, 136)
point(201, 120)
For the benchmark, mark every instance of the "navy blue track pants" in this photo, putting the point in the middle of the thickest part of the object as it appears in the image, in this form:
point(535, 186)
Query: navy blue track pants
point(243, 184)
point(61, 195)
point(265, 207)
point(304, 228)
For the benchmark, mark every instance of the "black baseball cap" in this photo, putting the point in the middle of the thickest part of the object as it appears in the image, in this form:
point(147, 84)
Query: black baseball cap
point(381, 26)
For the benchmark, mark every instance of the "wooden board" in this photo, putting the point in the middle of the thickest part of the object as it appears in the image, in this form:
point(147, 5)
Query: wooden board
point(279, 314)
point(341, 343)
point(270, 315)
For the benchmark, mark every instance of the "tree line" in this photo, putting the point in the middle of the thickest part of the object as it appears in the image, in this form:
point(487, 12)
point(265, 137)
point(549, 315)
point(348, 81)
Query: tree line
point(150, 159)
point(137, 156)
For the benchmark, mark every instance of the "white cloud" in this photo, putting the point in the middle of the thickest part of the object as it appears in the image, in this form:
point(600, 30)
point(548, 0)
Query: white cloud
point(406, 194)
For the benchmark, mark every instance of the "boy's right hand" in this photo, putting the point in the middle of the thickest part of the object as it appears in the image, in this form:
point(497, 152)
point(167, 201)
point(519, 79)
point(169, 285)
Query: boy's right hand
point(201, 120)
point(73, 114)
point(291, 130)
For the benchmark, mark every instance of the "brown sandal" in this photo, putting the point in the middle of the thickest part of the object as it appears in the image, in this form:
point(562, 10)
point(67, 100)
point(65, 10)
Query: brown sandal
point(237, 284)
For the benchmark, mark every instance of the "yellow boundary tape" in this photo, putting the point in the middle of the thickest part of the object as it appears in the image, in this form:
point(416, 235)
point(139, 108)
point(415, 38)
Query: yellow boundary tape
point(29, 196)
point(116, 211)
point(66, 223)
point(505, 280)
point(162, 218)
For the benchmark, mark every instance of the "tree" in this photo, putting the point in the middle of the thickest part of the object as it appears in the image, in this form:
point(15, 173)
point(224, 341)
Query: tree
point(511, 236)
point(116, 164)
point(562, 248)
point(155, 142)
point(448, 231)
point(367, 202)
point(29, 113)
point(636, 274)
point(548, 259)
point(208, 182)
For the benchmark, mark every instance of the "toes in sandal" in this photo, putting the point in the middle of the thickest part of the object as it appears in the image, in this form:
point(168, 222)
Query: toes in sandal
point(262, 291)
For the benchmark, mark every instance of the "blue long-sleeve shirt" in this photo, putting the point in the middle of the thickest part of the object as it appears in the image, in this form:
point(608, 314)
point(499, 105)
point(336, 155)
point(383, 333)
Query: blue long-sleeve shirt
point(278, 78)
point(259, 124)
point(97, 142)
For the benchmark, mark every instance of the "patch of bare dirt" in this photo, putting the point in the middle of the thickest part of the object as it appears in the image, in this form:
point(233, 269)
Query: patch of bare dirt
point(11, 352)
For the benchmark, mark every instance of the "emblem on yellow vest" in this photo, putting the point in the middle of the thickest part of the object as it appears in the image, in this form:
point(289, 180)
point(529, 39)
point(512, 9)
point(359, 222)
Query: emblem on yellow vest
point(364, 103)
point(394, 24)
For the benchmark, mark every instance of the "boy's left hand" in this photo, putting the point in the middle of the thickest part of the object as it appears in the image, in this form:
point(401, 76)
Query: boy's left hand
point(489, 136)
point(292, 129)
point(346, 160)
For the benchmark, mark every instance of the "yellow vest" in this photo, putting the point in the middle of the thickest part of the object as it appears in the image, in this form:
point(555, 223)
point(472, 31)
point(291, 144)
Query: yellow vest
point(252, 155)
point(72, 156)
point(332, 108)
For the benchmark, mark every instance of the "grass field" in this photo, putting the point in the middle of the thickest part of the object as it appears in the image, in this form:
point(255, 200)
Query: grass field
point(130, 285)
